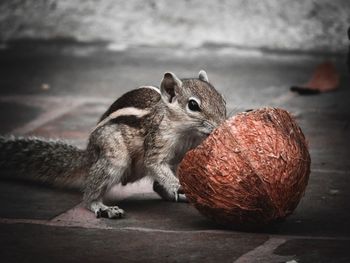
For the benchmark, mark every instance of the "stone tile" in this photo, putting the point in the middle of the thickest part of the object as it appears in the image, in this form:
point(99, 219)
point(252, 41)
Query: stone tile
point(31, 201)
point(322, 251)
point(14, 115)
point(74, 126)
point(149, 211)
point(155, 230)
point(327, 134)
point(34, 243)
point(323, 211)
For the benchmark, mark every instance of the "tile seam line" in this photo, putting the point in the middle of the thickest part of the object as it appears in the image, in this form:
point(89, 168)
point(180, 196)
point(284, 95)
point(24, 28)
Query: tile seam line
point(266, 249)
point(214, 231)
point(45, 118)
point(75, 224)
point(335, 171)
point(68, 104)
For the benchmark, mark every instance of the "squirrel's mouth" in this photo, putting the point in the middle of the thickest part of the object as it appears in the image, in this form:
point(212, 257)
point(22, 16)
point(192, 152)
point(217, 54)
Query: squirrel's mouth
point(207, 128)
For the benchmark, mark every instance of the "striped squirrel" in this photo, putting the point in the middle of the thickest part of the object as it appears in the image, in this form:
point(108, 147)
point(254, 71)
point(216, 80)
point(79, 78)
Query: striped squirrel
point(145, 132)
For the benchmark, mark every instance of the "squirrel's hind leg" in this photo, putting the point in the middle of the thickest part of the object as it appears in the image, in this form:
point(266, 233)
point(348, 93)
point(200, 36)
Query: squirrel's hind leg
point(105, 173)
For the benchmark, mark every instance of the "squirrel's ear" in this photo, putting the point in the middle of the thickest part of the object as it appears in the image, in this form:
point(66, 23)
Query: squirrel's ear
point(169, 85)
point(203, 76)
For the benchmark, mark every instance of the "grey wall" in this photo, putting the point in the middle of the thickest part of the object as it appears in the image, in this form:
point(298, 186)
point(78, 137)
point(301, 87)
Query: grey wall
point(274, 24)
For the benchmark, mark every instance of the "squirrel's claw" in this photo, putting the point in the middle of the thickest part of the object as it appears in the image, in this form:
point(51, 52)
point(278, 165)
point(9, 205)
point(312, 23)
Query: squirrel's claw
point(112, 212)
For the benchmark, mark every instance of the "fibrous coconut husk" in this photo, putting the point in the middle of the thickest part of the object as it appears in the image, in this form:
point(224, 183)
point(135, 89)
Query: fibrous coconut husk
point(250, 171)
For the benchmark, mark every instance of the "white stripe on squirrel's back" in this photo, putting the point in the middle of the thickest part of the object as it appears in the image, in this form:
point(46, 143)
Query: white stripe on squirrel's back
point(129, 111)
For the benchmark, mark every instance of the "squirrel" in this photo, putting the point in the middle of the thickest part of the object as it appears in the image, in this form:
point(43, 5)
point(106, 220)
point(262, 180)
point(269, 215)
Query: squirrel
point(146, 132)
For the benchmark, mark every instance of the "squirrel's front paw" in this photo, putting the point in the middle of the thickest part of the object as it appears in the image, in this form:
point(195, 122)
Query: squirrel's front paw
point(111, 212)
point(182, 198)
point(170, 192)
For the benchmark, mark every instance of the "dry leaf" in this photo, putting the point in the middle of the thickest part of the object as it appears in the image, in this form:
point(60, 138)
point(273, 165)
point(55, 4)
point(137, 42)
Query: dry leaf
point(325, 78)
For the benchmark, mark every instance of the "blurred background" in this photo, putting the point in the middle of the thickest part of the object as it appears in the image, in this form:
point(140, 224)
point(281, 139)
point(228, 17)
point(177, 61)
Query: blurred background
point(303, 26)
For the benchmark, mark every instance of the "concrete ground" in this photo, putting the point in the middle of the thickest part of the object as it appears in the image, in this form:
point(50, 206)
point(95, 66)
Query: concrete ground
point(60, 89)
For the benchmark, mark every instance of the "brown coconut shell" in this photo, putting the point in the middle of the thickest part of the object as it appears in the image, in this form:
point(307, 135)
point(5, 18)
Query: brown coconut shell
point(251, 171)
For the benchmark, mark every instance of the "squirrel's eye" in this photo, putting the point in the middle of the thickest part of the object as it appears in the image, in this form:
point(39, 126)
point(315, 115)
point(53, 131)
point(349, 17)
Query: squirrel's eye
point(193, 105)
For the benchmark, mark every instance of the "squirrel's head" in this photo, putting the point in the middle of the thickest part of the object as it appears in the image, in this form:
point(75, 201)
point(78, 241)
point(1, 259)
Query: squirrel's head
point(195, 103)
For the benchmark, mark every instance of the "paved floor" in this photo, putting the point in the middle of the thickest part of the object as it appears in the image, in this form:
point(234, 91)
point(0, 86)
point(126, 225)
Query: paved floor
point(60, 90)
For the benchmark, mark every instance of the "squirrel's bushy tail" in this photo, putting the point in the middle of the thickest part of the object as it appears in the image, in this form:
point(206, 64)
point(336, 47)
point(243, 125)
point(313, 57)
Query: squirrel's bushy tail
point(48, 161)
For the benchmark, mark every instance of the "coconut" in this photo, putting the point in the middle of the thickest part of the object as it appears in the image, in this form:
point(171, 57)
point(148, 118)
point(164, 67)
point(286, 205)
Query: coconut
point(251, 171)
